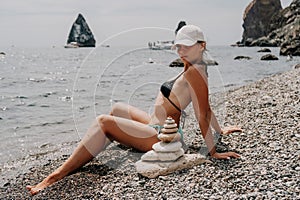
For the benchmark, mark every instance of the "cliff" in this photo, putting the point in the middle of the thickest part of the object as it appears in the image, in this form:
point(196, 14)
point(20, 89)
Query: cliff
point(257, 17)
point(267, 24)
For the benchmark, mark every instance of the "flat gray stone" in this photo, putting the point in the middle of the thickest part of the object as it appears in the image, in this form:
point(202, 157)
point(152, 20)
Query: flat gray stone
point(174, 137)
point(169, 130)
point(167, 126)
point(167, 147)
point(155, 169)
point(162, 156)
point(150, 156)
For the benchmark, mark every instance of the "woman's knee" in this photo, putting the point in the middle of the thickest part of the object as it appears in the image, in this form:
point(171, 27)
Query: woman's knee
point(115, 108)
point(119, 109)
point(103, 120)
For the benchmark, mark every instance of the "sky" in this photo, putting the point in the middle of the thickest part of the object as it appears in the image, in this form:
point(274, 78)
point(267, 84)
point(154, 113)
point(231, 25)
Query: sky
point(39, 23)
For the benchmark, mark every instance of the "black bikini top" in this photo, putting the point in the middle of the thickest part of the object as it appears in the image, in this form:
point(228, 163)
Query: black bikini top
point(166, 89)
point(167, 86)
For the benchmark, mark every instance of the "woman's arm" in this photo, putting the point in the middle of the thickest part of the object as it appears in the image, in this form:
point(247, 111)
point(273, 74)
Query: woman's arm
point(214, 123)
point(199, 94)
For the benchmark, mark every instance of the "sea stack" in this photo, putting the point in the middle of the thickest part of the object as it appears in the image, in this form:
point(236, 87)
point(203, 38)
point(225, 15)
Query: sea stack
point(167, 155)
point(80, 34)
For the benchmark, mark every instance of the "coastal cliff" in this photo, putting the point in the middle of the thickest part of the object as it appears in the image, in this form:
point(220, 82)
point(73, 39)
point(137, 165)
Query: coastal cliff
point(267, 24)
point(257, 17)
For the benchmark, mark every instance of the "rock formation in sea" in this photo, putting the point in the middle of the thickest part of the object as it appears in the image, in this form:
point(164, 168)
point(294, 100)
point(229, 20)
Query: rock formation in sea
point(257, 17)
point(80, 33)
point(179, 26)
point(177, 62)
point(285, 26)
point(269, 57)
point(267, 24)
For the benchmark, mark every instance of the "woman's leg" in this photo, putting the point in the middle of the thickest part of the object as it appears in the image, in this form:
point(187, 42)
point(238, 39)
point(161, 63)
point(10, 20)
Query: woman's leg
point(127, 132)
point(79, 157)
point(130, 112)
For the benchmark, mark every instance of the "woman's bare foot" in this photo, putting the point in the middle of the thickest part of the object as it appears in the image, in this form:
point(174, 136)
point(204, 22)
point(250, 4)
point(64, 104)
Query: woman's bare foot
point(52, 178)
point(34, 189)
point(39, 187)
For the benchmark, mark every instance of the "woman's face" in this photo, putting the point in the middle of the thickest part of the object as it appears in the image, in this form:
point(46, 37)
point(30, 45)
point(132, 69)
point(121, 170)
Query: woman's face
point(192, 54)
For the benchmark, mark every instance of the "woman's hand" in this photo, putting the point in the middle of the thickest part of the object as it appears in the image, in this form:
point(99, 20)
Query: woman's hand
point(231, 129)
point(226, 155)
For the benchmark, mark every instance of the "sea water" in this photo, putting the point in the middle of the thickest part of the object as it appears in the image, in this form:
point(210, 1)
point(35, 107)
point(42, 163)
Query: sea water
point(49, 96)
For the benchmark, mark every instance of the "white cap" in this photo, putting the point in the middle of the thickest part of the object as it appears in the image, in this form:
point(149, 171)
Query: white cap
point(188, 35)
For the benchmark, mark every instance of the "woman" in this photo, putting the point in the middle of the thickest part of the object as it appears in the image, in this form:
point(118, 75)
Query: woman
point(135, 128)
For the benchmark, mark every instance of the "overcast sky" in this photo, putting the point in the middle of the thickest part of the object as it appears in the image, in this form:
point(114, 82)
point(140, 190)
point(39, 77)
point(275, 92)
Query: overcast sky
point(48, 22)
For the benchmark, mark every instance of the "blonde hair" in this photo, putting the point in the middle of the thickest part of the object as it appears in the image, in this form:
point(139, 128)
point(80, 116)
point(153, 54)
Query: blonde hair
point(206, 57)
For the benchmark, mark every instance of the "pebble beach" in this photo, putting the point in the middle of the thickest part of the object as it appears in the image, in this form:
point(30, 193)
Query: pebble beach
point(268, 111)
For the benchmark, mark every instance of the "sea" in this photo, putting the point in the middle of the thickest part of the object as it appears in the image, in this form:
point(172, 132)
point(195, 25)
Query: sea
point(49, 96)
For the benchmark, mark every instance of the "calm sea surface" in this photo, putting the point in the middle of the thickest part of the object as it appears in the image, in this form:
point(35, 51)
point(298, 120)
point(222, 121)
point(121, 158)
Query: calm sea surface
point(48, 97)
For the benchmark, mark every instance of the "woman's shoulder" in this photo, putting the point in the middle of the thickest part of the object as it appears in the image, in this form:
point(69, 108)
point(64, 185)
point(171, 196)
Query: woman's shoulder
point(195, 70)
point(196, 74)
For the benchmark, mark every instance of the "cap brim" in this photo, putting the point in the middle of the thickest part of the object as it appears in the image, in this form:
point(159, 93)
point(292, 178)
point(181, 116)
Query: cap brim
point(185, 42)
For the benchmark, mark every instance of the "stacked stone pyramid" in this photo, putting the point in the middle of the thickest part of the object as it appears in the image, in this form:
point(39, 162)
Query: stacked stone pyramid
point(167, 155)
point(169, 148)
point(169, 132)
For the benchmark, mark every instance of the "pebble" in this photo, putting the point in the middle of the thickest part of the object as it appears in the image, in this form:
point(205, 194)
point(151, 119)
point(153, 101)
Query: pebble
point(169, 130)
point(173, 137)
point(167, 147)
